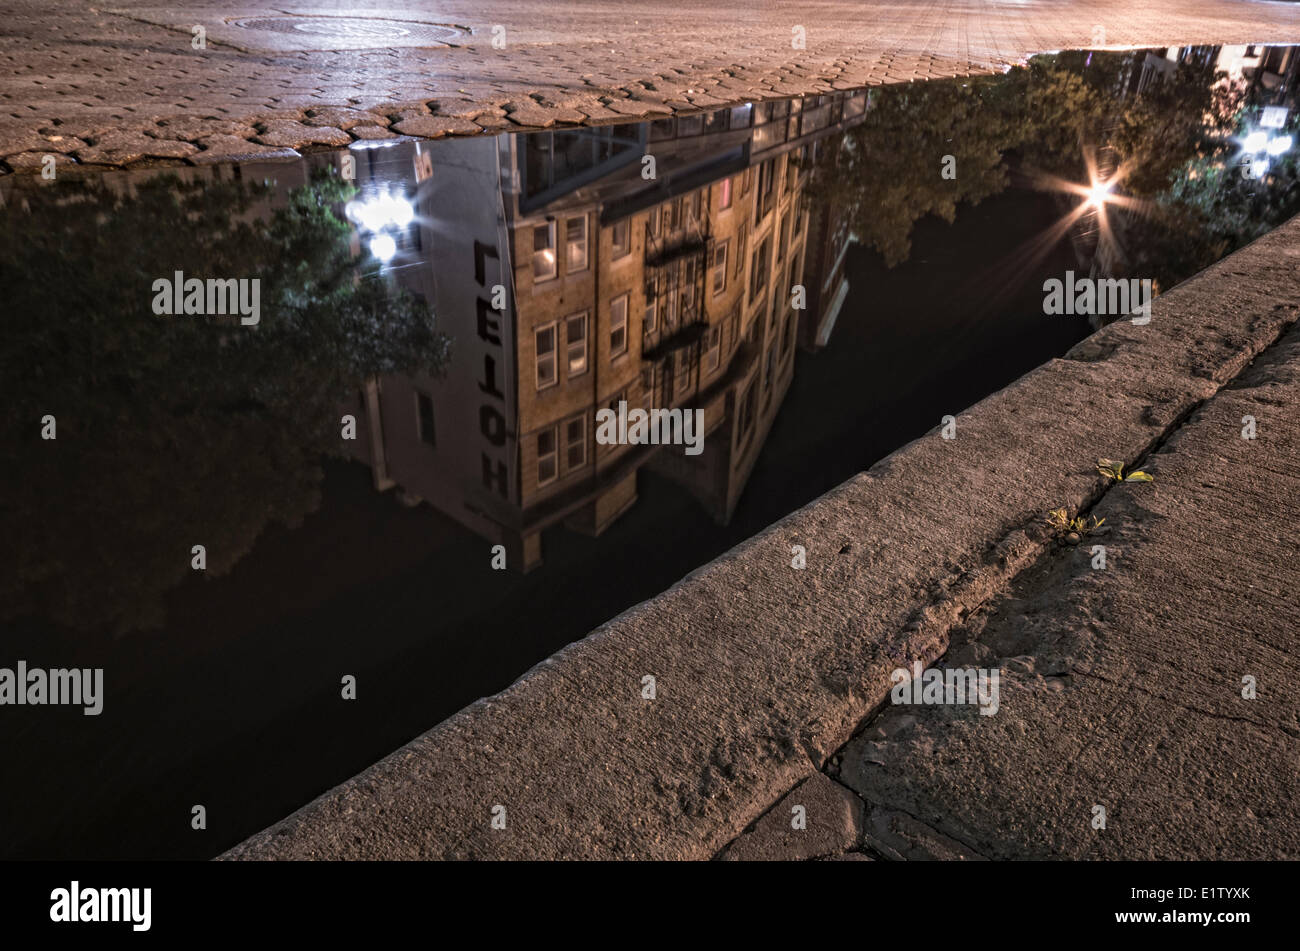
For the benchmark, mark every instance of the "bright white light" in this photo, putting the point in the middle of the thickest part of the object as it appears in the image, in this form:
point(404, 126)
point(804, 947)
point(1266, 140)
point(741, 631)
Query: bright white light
point(383, 247)
point(400, 211)
point(1098, 193)
point(1256, 142)
point(368, 214)
point(375, 213)
point(1279, 145)
point(1259, 168)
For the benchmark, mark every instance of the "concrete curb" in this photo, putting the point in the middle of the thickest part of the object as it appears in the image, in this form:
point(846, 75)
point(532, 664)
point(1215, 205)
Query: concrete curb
point(762, 670)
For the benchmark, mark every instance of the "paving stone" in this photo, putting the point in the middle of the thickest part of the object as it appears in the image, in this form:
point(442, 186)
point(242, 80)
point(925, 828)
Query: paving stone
point(35, 161)
point(532, 115)
point(295, 135)
point(229, 148)
point(343, 118)
point(284, 114)
point(637, 108)
point(370, 132)
point(833, 824)
point(461, 108)
point(432, 127)
point(193, 128)
point(123, 148)
point(31, 142)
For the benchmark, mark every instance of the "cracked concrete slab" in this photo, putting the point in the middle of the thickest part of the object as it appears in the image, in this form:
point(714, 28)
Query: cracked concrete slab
point(1124, 730)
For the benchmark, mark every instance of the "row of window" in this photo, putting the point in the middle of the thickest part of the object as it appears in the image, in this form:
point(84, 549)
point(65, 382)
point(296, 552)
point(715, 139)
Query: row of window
point(669, 217)
point(546, 249)
point(552, 462)
point(575, 334)
point(548, 449)
point(555, 458)
point(577, 257)
point(575, 326)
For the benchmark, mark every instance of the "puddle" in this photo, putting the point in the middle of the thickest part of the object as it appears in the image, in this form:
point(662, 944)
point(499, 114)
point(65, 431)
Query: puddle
point(392, 392)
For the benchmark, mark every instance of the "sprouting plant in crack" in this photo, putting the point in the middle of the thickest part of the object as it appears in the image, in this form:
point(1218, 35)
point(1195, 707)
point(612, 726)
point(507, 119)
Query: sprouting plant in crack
point(1060, 519)
point(1113, 469)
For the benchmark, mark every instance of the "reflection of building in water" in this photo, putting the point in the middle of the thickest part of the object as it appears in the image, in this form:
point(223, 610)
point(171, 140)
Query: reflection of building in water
point(1270, 70)
point(573, 276)
point(1266, 76)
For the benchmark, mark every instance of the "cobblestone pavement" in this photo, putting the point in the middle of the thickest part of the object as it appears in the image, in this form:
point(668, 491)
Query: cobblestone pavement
point(123, 83)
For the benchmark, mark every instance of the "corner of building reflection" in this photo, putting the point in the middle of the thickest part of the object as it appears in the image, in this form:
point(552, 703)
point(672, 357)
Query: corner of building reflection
point(573, 275)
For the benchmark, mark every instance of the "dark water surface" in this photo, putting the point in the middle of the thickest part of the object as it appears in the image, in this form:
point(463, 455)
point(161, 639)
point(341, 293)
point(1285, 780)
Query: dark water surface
point(372, 557)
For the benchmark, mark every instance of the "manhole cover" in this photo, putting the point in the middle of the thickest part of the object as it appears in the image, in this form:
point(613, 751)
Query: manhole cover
point(355, 28)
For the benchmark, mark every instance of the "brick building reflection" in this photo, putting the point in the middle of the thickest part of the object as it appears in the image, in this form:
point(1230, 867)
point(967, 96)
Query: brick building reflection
point(572, 275)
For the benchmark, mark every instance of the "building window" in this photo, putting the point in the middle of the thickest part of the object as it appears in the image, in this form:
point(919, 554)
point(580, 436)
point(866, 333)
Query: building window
point(652, 223)
point(546, 456)
point(720, 267)
point(618, 326)
point(682, 373)
point(545, 356)
point(740, 249)
point(575, 443)
point(745, 418)
point(767, 175)
point(724, 194)
point(544, 252)
point(690, 125)
point(670, 313)
point(713, 350)
point(575, 244)
point(697, 204)
point(758, 269)
point(621, 238)
point(648, 324)
point(424, 408)
point(576, 336)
